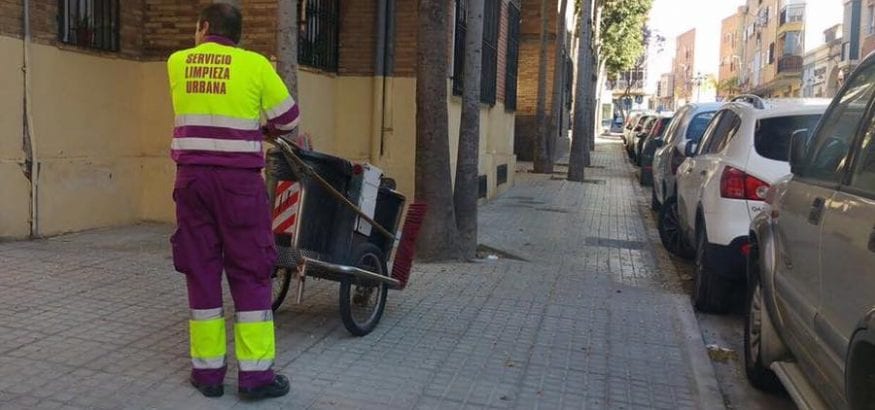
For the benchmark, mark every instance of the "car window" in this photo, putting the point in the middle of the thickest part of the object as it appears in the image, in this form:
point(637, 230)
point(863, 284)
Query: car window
point(772, 136)
point(671, 133)
point(698, 125)
point(863, 175)
point(648, 125)
point(709, 132)
point(724, 130)
point(662, 127)
point(828, 150)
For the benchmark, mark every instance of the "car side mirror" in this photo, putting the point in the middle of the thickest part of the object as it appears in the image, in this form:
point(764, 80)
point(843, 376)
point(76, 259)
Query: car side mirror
point(798, 144)
point(690, 148)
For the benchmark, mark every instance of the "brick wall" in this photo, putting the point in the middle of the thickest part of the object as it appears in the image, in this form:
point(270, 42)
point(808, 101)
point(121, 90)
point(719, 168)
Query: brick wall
point(44, 25)
point(406, 32)
point(170, 26)
point(530, 15)
point(527, 78)
point(10, 18)
point(527, 83)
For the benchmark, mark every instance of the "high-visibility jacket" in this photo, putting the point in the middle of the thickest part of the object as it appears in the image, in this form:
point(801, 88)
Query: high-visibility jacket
point(220, 95)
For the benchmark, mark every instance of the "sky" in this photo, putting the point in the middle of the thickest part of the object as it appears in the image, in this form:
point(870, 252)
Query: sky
point(672, 18)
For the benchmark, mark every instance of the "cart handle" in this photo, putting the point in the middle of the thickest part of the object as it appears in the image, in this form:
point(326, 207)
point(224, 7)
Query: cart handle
point(289, 153)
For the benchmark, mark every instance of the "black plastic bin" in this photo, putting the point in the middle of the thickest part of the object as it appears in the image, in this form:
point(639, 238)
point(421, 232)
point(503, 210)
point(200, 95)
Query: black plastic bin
point(326, 224)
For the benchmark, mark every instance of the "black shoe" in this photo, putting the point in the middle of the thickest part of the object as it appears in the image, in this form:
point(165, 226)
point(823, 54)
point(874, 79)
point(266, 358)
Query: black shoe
point(279, 388)
point(209, 390)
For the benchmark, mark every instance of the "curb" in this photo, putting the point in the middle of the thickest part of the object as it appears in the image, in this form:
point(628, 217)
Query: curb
point(705, 379)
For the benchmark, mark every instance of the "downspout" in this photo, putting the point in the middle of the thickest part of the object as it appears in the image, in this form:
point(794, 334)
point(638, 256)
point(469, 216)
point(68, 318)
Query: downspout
point(379, 94)
point(31, 162)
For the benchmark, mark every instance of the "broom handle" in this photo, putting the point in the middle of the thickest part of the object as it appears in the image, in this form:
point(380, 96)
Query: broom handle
point(290, 153)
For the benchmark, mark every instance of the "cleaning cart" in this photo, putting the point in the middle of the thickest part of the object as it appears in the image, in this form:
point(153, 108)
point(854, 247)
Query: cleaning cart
point(340, 221)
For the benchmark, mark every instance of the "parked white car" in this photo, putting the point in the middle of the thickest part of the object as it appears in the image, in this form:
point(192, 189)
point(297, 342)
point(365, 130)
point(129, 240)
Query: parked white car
point(744, 151)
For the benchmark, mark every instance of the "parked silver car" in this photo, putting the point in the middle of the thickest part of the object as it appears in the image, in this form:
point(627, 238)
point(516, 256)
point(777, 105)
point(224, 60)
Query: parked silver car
point(811, 266)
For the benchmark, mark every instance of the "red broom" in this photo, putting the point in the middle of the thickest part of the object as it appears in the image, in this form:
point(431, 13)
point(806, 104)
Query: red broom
point(407, 245)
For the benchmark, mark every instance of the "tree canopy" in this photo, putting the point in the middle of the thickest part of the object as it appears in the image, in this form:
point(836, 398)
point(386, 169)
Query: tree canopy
point(622, 33)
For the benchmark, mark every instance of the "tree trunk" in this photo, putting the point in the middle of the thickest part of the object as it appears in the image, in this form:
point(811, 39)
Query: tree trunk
point(596, 88)
point(286, 66)
point(439, 237)
point(287, 44)
point(555, 126)
point(543, 162)
point(583, 102)
point(599, 88)
point(467, 171)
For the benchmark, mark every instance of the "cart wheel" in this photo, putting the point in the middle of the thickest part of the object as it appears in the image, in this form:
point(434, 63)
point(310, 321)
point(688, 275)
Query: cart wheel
point(362, 302)
point(281, 278)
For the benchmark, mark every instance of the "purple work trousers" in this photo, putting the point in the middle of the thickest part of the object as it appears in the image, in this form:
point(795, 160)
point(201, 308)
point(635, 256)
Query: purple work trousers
point(223, 219)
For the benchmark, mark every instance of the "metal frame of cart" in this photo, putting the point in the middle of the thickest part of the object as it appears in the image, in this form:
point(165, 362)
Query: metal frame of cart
point(323, 232)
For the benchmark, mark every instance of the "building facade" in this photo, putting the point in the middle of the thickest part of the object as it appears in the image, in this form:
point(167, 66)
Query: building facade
point(684, 68)
point(665, 93)
point(729, 75)
point(529, 54)
point(821, 65)
point(93, 150)
point(775, 43)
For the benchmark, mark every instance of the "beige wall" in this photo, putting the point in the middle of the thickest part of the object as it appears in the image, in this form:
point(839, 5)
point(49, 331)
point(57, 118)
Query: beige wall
point(103, 128)
point(496, 142)
point(15, 192)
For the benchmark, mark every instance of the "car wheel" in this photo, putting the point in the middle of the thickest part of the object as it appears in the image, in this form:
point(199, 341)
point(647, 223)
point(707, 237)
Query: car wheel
point(670, 232)
point(654, 203)
point(711, 293)
point(758, 374)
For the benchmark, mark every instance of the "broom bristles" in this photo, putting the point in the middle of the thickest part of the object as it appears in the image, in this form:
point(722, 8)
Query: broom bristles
point(407, 245)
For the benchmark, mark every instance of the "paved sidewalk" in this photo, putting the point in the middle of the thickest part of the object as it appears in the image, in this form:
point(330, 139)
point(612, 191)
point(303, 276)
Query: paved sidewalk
point(593, 317)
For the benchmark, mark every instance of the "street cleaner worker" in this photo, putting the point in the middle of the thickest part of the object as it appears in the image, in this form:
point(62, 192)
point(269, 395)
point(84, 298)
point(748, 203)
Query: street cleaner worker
point(220, 95)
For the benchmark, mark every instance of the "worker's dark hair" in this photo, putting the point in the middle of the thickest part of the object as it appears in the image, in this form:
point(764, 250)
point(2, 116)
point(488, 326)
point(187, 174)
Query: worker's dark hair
point(225, 20)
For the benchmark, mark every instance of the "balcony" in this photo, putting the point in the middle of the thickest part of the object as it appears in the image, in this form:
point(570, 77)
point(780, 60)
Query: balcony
point(790, 65)
point(792, 19)
point(794, 13)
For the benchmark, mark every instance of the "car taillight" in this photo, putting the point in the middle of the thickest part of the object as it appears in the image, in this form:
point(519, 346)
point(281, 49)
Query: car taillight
point(736, 184)
point(677, 158)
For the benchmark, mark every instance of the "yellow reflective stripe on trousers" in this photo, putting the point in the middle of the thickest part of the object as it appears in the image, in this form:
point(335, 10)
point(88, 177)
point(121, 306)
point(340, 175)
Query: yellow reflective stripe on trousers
point(207, 341)
point(254, 340)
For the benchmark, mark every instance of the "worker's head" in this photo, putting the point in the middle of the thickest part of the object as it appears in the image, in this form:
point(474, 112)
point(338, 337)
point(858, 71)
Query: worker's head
point(219, 19)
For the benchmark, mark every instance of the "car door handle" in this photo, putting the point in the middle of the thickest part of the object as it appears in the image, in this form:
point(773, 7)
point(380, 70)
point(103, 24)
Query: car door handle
point(872, 240)
point(816, 211)
point(703, 172)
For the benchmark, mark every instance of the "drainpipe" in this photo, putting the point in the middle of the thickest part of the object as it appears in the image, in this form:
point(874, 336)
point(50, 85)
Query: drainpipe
point(383, 67)
point(379, 96)
point(31, 162)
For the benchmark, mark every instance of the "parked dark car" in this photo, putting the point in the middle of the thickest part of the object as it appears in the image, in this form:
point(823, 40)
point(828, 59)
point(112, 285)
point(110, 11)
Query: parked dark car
point(648, 147)
point(647, 123)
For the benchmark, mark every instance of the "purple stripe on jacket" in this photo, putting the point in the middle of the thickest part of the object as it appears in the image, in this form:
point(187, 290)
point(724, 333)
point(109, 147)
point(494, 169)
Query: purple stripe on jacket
point(287, 117)
point(222, 133)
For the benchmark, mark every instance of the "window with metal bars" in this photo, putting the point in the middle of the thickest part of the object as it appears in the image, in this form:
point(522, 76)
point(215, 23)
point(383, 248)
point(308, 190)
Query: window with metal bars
point(89, 23)
point(491, 11)
point(489, 62)
point(318, 31)
point(512, 57)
